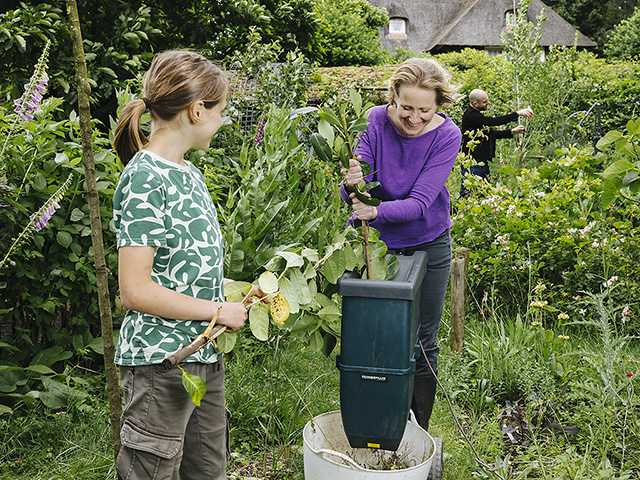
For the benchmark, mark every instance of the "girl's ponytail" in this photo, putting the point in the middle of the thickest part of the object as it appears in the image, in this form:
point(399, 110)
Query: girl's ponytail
point(128, 137)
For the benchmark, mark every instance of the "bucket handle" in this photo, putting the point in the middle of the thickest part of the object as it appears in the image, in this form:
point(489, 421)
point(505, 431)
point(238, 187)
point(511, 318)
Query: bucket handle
point(342, 456)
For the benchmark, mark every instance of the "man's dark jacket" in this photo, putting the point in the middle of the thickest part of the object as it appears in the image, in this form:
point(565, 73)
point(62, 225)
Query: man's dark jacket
point(473, 120)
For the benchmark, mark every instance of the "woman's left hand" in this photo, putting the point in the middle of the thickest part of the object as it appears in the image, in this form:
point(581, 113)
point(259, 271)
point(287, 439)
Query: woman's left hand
point(363, 211)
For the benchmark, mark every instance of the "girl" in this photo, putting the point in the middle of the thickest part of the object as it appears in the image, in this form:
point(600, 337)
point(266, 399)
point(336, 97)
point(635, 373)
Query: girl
point(170, 274)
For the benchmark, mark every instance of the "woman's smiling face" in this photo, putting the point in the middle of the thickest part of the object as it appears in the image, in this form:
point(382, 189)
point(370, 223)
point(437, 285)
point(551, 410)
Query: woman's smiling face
point(412, 110)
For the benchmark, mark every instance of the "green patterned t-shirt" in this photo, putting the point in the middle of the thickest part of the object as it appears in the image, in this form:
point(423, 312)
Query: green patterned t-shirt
point(161, 204)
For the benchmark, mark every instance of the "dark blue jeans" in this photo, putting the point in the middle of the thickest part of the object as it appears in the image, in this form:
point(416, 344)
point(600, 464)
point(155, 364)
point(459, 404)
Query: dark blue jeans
point(478, 170)
point(432, 293)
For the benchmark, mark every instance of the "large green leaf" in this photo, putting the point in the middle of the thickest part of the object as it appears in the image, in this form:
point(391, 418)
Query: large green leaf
point(608, 139)
point(259, 321)
point(335, 266)
point(326, 130)
point(378, 268)
point(619, 168)
point(268, 282)
point(291, 294)
point(293, 259)
point(227, 341)
point(356, 101)
point(329, 117)
point(195, 386)
point(633, 126)
point(236, 291)
point(321, 147)
point(300, 287)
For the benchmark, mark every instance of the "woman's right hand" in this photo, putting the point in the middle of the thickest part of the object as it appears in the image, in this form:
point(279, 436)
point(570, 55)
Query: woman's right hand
point(353, 176)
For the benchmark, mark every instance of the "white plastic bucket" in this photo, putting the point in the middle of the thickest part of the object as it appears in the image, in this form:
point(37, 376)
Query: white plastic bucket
point(328, 455)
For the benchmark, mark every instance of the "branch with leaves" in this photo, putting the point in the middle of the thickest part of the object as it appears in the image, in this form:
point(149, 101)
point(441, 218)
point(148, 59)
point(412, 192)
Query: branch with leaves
point(622, 178)
point(337, 138)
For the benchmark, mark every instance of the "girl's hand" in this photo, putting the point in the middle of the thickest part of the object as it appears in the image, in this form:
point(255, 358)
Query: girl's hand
point(354, 175)
point(233, 315)
point(361, 210)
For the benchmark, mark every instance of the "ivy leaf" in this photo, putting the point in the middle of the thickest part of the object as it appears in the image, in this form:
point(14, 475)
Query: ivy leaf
point(259, 321)
point(195, 386)
point(64, 238)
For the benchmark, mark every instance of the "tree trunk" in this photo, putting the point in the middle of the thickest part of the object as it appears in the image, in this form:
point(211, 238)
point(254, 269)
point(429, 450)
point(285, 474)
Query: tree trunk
point(113, 384)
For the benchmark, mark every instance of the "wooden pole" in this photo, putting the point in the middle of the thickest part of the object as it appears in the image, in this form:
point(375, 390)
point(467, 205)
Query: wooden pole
point(459, 270)
point(104, 303)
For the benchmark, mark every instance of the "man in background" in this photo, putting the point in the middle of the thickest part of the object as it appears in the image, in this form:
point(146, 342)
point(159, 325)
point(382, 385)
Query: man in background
point(477, 126)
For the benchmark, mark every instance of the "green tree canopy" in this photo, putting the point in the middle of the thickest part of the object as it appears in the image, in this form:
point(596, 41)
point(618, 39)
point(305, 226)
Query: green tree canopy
point(594, 18)
point(120, 38)
point(351, 33)
point(624, 40)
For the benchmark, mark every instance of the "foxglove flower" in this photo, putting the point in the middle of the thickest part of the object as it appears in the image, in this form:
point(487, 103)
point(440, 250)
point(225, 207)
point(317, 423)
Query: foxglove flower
point(37, 221)
point(40, 222)
point(260, 133)
point(33, 94)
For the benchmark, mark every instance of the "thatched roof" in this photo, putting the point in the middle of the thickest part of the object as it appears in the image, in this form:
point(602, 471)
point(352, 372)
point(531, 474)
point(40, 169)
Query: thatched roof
point(434, 25)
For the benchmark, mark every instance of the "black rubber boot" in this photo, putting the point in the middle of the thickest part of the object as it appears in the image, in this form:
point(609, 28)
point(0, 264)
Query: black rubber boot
point(424, 393)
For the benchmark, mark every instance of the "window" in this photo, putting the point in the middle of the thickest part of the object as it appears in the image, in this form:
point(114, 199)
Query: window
point(397, 28)
point(510, 20)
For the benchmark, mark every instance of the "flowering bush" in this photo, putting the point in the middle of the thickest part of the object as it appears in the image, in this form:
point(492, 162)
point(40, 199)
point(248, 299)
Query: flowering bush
point(545, 224)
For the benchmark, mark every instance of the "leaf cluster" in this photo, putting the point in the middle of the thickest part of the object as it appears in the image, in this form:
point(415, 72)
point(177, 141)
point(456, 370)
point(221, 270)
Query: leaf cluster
point(338, 135)
point(622, 178)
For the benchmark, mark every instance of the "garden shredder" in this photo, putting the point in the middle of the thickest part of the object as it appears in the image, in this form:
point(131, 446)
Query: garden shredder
point(377, 360)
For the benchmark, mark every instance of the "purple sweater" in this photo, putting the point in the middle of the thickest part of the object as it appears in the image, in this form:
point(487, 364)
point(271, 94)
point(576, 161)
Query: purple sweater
point(412, 172)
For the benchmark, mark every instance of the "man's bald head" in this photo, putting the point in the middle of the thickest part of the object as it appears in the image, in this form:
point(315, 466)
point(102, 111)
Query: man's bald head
point(479, 99)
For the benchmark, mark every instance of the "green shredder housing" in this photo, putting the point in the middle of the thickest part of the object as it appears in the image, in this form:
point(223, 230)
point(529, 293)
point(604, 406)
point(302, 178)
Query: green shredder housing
point(380, 322)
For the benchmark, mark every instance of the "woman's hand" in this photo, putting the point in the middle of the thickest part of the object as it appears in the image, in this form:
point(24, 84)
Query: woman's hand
point(353, 176)
point(361, 210)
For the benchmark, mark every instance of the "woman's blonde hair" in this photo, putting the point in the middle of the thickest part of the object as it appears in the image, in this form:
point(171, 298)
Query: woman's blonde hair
point(175, 79)
point(424, 73)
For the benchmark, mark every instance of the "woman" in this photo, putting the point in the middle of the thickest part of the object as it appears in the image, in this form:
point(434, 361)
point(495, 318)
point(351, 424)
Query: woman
point(412, 148)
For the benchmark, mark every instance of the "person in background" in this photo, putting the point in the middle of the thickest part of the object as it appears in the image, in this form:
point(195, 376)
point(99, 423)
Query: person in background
point(170, 274)
point(412, 149)
point(477, 126)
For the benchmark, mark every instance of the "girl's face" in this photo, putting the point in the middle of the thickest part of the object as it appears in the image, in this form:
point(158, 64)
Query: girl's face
point(208, 123)
point(413, 110)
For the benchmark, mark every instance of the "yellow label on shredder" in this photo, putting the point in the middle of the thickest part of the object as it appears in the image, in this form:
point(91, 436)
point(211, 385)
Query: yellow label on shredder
point(373, 445)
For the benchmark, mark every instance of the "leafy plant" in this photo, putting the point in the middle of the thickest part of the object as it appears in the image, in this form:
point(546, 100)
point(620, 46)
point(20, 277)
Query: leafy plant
point(337, 138)
point(622, 178)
